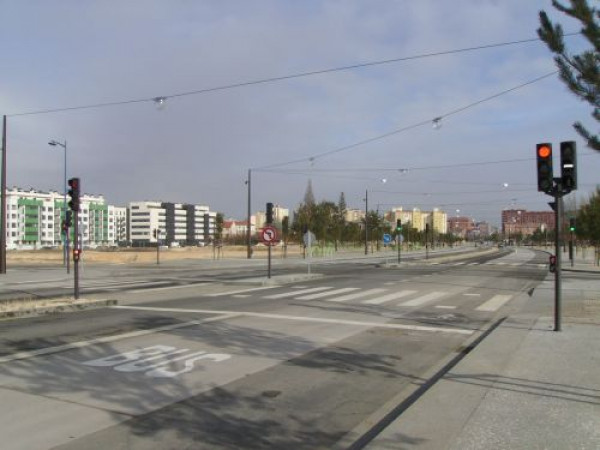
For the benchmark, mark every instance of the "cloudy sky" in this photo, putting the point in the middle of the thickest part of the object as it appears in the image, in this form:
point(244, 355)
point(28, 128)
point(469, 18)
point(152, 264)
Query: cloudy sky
point(58, 54)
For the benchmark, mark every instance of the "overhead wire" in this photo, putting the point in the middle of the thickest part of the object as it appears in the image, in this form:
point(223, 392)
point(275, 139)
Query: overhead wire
point(408, 127)
point(284, 77)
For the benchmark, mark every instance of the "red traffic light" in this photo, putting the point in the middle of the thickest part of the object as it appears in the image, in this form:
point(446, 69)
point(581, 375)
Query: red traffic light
point(544, 151)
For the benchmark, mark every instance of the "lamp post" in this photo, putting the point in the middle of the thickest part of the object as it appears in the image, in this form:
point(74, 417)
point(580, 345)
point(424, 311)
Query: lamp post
point(54, 143)
point(3, 201)
point(248, 228)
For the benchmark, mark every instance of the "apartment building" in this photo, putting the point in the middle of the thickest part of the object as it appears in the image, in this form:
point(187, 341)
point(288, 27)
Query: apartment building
point(521, 221)
point(436, 219)
point(34, 220)
point(172, 224)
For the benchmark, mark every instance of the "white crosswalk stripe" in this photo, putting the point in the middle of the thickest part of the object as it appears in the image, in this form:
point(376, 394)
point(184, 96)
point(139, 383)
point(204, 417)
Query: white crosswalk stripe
point(326, 294)
point(379, 296)
point(361, 294)
point(294, 293)
point(423, 299)
point(494, 303)
point(388, 297)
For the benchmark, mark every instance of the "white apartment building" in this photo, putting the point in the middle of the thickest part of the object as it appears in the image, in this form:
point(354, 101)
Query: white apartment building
point(34, 220)
point(144, 219)
point(177, 223)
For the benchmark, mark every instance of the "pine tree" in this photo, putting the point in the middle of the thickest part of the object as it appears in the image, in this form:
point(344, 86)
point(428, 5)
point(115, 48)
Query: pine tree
point(580, 72)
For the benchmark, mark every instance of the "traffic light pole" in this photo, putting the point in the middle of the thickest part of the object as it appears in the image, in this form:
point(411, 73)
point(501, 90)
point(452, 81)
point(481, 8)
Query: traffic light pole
point(558, 194)
point(76, 255)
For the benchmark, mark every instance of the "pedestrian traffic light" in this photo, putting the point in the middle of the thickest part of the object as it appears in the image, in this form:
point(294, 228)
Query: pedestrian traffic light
point(544, 167)
point(269, 213)
point(568, 165)
point(572, 224)
point(552, 263)
point(398, 225)
point(74, 190)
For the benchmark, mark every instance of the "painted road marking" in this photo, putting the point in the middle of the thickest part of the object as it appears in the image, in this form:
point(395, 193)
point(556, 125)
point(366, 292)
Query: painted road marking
point(389, 297)
point(396, 326)
point(361, 294)
point(326, 294)
point(61, 348)
point(302, 291)
point(423, 299)
point(494, 303)
point(445, 307)
point(240, 291)
point(151, 361)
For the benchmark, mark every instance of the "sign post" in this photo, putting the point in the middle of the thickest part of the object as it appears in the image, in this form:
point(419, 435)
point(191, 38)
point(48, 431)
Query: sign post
point(308, 238)
point(269, 237)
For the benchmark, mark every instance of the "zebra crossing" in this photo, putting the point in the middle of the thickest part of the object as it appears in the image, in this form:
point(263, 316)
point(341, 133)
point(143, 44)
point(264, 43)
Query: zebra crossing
point(491, 263)
point(403, 298)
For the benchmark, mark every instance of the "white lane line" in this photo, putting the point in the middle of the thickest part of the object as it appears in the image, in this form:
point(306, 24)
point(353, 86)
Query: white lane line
point(472, 295)
point(458, 264)
point(494, 303)
point(361, 294)
point(389, 297)
point(327, 293)
point(423, 299)
point(164, 288)
point(241, 291)
point(103, 340)
point(300, 292)
point(445, 307)
point(397, 326)
point(473, 264)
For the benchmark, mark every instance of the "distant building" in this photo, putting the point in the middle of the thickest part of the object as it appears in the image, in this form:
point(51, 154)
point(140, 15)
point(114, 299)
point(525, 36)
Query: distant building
point(418, 219)
point(34, 220)
point(279, 213)
point(170, 223)
point(521, 221)
point(461, 226)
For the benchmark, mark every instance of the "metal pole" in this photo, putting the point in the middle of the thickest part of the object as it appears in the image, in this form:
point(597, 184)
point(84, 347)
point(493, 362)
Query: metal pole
point(157, 246)
point(399, 244)
point(269, 264)
point(248, 230)
point(76, 258)
point(366, 222)
point(557, 252)
point(3, 201)
point(67, 258)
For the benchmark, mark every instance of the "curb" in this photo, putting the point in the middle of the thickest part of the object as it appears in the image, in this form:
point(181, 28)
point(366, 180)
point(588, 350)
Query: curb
point(75, 306)
point(279, 279)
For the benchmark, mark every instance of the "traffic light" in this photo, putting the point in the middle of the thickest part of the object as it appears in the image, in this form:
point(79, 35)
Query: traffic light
point(572, 224)
point(544, 167)
point(398, 225)
point(74, 190)
point(552, 263)
point(269, 213)
point(568, 165)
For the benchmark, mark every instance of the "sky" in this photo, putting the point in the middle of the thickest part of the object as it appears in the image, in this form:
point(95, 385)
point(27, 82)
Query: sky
point(200, 146)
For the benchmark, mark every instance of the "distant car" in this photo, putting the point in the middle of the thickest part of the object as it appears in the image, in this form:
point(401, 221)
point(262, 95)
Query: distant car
point(500, 245)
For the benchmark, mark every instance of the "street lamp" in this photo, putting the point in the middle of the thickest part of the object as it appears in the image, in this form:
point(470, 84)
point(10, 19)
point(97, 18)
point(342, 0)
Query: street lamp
point(54, 143)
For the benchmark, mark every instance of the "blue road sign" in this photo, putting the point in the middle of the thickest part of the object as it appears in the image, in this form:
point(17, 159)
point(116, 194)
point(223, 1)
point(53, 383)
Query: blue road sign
point(387, 238)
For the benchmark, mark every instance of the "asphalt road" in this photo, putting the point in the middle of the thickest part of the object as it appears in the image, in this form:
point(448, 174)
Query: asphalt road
point(199, 361)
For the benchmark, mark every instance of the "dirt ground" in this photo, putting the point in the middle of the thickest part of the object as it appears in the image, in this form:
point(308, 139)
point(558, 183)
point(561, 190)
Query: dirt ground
point(147, 255)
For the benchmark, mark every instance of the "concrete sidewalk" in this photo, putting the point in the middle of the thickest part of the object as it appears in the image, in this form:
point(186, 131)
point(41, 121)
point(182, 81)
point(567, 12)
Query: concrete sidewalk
point(524, 386)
